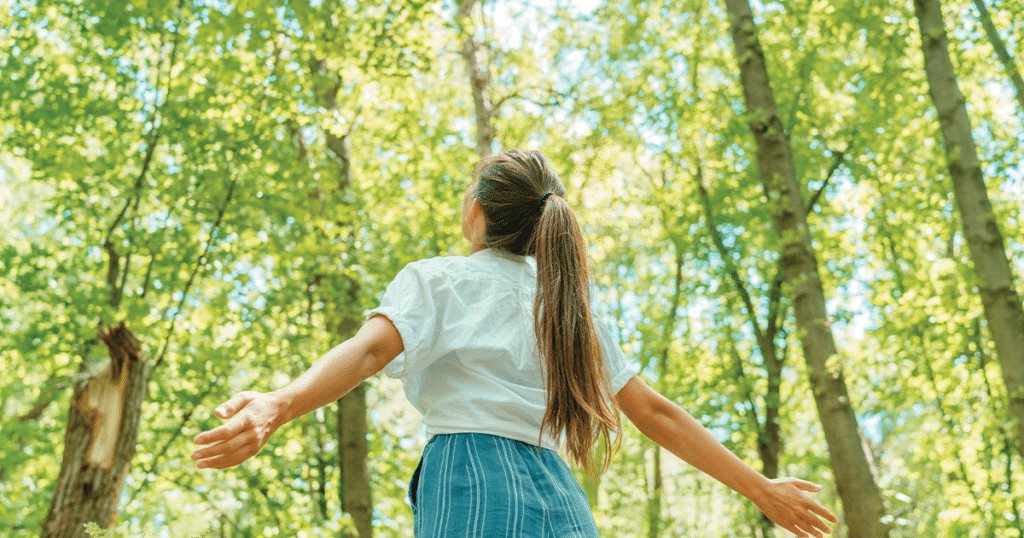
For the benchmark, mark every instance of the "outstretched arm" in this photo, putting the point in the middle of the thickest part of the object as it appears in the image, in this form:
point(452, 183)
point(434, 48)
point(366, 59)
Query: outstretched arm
point(783, 500)
point(255, 416)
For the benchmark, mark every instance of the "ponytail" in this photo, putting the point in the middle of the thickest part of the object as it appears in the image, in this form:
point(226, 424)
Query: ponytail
point(579, 399)
point(526, 213)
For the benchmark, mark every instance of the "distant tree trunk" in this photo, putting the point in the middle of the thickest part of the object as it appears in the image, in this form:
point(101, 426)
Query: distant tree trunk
point(654, 501)
point(354, 490)
point(479, 79)
point(1001, 52)
point(591, 479)
point(860, 495)
point(343, 316)
point(354, 487)
point(1003, 309)
point(668, 328)
point(100, 440)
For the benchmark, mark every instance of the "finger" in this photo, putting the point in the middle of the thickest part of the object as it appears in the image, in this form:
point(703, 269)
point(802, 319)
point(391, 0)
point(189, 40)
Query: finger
point(823, 512)
point(230, 445)
point(796, 530)
point(230, 407)
point(805, 485)
point(814, 526)
point(799, 531)
point(223, 461)
point(221, 433)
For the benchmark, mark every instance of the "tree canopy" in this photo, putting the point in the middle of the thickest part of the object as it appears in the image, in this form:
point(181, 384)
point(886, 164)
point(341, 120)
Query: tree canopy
point(238, 182)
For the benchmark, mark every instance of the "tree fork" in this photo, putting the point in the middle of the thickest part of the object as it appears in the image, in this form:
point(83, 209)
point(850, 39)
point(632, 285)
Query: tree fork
point(861, 498)
point(100, 440)
point(1002, 305)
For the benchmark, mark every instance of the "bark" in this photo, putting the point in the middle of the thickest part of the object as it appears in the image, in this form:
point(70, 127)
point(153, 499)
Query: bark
point(1002, 305)
point(479, 79)
point(1001, 52)
point(858, 491)
point(656, 488)
point(354, 490)
point(100, 440)
point(654, 503)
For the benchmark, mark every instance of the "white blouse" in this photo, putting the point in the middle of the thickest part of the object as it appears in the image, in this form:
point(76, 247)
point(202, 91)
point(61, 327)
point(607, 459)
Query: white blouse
point(471, 362)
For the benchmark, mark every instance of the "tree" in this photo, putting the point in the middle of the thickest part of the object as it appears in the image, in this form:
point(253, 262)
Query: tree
point(1003, 310)
point(862, 501)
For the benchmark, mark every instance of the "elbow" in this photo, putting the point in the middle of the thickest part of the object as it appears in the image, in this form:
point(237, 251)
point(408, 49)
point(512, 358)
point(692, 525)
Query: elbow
point(649, 411)
point(652, 420)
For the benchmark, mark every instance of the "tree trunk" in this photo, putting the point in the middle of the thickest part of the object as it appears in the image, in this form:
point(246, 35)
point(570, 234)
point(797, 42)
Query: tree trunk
point(354, 490)
point(1001, 52)
point(1003, 310)
point(103, 424)
point(654, 500)
point(479, 79)
point(860, 495)
point(591, 479)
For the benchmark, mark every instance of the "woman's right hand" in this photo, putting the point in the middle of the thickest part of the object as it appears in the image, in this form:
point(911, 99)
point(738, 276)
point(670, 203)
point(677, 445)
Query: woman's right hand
point(785, 502)
point(252, 418)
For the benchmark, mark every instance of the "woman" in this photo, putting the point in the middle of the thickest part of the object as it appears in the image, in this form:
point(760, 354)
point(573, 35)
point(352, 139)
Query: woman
point(504, 360)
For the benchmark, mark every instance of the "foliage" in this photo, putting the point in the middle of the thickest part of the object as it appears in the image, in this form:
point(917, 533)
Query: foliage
point(190, 141)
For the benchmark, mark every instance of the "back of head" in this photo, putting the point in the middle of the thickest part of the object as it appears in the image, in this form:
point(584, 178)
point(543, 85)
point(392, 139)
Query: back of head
point(525, 213)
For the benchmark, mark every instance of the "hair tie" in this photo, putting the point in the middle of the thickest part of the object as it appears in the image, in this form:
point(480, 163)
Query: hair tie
point(544, 198)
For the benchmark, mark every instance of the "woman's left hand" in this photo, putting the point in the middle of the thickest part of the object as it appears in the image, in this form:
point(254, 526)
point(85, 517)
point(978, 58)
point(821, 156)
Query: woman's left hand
point(254, 417)
point(785, 503)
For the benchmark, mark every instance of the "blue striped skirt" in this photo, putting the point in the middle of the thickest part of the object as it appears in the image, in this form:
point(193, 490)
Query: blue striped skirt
point(479, 485)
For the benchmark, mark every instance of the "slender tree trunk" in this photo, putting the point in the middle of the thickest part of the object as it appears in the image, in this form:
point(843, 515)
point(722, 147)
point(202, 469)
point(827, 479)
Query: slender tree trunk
point(860, 495)
point(103, 424)
point(355, 490)
point(769, 442)
point(654, 500)
point(353, 450)
point(1001, 52)
point(1002, 305)
point(479, 78)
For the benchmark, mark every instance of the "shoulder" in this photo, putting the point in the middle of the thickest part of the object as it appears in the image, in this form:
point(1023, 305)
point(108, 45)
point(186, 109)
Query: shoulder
point(434, 271)
point(472, 271)
point(436, 266)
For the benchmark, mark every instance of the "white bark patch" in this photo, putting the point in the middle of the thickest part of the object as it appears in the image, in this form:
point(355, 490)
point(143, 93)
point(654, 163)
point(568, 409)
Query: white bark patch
point(105, 398)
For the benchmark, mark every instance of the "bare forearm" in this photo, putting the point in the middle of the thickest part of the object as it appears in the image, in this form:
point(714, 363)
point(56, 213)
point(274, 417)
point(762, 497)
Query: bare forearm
point(679, 433)
point(332, 376)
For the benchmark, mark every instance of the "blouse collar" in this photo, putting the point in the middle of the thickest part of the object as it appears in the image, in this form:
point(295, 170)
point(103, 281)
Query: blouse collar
point(498, 253)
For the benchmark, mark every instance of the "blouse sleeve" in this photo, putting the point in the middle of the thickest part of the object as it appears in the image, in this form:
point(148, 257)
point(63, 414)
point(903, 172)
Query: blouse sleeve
point(620, 371)
point(410, 305)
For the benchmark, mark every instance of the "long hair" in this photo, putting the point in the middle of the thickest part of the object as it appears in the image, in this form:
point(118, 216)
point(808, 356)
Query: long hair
point(525, 213)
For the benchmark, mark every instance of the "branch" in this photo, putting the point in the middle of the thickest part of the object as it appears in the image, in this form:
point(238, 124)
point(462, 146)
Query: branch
point(163, 450)
point(774, 303)
point(113, 269)
point(748, 393)
point(723, 252)
point(514, 95)
point(195, 271)
point(52, 388)
point(839, 156)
